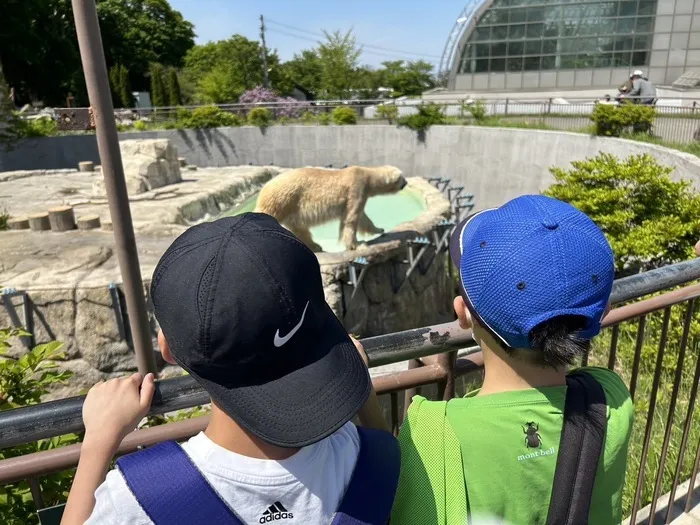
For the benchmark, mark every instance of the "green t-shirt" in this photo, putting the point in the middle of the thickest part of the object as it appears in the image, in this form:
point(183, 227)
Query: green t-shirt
point(509, 444)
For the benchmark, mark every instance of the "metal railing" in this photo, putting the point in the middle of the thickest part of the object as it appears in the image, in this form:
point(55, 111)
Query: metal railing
point(677, 119)
point(432, 355)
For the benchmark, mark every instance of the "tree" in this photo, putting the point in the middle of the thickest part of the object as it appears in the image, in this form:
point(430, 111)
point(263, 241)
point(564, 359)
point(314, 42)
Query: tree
point(158, 96)
point(407, 78)
point(304, 69)
point(115, 86)
point(8, 122)
point(125, 91)
point(136, 33)
point(175, 97)
point(649, 219)
point(339, 56)
point(39, 49)
point(222, 71)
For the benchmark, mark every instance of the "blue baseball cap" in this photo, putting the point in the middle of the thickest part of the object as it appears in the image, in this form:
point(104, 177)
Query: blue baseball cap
point(531, 260)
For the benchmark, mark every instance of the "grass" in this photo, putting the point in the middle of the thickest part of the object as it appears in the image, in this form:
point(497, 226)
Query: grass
point(623, 366)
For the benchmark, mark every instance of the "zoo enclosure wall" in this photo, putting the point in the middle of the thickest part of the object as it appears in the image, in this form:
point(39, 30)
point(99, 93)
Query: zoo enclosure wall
point(436, 366)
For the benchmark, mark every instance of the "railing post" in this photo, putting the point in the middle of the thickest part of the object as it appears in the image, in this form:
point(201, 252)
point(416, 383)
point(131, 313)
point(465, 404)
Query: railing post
point(411, 392)
point(446, 388)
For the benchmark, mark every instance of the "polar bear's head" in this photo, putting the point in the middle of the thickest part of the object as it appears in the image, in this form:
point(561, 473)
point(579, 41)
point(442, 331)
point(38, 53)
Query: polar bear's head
point(387, 179)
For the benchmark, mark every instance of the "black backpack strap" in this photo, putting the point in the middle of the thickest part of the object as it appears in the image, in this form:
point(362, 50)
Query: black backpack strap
point(580, 448)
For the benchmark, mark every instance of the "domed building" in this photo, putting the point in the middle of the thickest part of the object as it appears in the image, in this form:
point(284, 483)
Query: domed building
point(509, 45)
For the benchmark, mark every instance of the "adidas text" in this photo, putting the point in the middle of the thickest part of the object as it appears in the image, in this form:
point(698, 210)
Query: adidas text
point(276, 512)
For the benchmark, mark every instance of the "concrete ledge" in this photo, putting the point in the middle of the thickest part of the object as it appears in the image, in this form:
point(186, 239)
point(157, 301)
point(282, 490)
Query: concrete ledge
point(495, 164)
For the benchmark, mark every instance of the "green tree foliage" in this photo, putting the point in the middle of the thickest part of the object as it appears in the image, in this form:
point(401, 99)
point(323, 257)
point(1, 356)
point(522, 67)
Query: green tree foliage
point(427, 115)
point(260, 117)
point(477, 110)
point(304, 69)
point(207, 117)
point(222, 71)
point(407, 78)
point(39, 49)
point(613, 121)
point(175, 96)
point(649, 219)
point(125, 91)
point(23, 382)
point(388, 111)
point(115, 86)
point(343, 116)
point(339, 56)
point(8, 121)
point(136, 33)
point(158, 95)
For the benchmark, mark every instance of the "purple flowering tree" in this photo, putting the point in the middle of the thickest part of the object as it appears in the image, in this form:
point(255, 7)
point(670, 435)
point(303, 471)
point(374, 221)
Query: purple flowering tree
point(279, 106)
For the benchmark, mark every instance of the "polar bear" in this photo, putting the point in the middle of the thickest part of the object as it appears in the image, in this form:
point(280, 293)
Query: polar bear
point(305, 197)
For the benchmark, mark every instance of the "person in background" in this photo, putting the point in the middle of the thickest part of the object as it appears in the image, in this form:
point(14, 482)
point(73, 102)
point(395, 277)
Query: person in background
point(642, 91)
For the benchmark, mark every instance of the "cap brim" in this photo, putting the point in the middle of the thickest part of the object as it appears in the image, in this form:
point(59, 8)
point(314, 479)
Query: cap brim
point(307, 405)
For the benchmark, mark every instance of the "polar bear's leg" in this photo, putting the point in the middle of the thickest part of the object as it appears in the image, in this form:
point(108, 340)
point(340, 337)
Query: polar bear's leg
point(366, 225)
point(304, 235)
point(353, 210)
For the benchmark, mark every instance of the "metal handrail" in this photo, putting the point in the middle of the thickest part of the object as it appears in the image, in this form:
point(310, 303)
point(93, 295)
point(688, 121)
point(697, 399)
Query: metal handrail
point(55, 418)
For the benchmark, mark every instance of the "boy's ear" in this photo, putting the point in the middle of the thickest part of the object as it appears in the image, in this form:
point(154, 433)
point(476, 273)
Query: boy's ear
point(165, 349)
point(463, 315)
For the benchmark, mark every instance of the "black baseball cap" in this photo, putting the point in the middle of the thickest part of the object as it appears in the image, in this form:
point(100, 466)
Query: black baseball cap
point(240, 301)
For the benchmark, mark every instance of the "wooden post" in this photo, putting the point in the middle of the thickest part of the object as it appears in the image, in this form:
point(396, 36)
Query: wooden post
point(62, 218)
point(88, 222)
point(18, 223)
point(39, 222)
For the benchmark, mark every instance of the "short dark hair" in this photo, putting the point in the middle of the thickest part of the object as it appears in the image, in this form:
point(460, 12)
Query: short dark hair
point(555, 342)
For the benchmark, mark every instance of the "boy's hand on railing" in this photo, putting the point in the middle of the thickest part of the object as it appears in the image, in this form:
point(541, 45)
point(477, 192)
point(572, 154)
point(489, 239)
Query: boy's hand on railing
point(360, 349)
point(112, 409)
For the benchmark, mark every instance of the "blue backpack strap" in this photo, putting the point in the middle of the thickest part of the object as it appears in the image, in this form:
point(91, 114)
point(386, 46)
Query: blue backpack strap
point(370, 494)
point(171, 489)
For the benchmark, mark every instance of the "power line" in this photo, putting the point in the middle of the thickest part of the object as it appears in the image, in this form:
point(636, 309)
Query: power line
point(315, 41)
point(371, 46)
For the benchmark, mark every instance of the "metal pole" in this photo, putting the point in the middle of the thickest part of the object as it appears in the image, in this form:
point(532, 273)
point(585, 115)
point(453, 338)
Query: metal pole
point(95, 69)
point(266, 81)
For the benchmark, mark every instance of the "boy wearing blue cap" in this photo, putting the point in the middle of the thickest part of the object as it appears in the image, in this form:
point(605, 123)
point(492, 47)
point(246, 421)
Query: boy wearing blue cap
point(535, 281)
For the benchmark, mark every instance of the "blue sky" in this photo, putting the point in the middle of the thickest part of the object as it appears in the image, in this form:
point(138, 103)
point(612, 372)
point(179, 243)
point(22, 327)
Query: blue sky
point(413, 26)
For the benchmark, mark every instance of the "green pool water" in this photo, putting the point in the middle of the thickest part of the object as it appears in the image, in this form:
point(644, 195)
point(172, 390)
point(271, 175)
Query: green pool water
point(386, 211)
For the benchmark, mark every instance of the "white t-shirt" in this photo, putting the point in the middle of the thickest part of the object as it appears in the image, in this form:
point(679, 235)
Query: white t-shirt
point(309, 485)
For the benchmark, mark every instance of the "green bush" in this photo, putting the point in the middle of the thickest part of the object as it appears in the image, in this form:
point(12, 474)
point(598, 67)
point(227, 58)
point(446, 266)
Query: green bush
point(283, 121)
point(477, 110)
point(207, 117)
point(649, 219)
point(259, 117)
point(343, 116)
point(324, 119)
point(309, 117)
point(428, 115)
point(389, 112)
point(4, 217)
point(140, 125)
point(23, 382)
point(614, 121)
point(40, 127)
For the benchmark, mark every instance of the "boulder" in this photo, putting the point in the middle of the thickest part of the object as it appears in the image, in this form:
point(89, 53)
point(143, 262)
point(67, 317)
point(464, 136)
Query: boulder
point(148, 164)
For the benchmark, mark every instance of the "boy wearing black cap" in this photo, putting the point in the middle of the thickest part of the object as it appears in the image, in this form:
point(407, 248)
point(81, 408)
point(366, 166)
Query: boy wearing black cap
point(241, 307)
point(536, 276)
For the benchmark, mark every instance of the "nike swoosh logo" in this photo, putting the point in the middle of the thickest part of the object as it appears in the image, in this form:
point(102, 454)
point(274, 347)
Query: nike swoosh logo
point(279, 341)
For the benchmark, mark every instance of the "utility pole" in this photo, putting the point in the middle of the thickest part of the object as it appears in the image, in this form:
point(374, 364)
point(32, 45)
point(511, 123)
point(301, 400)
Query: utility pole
point(95, 70)
point(266, 81)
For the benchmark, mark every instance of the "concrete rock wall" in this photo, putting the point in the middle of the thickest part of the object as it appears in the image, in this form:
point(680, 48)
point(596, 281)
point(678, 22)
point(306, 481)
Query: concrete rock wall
point(492, 163)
